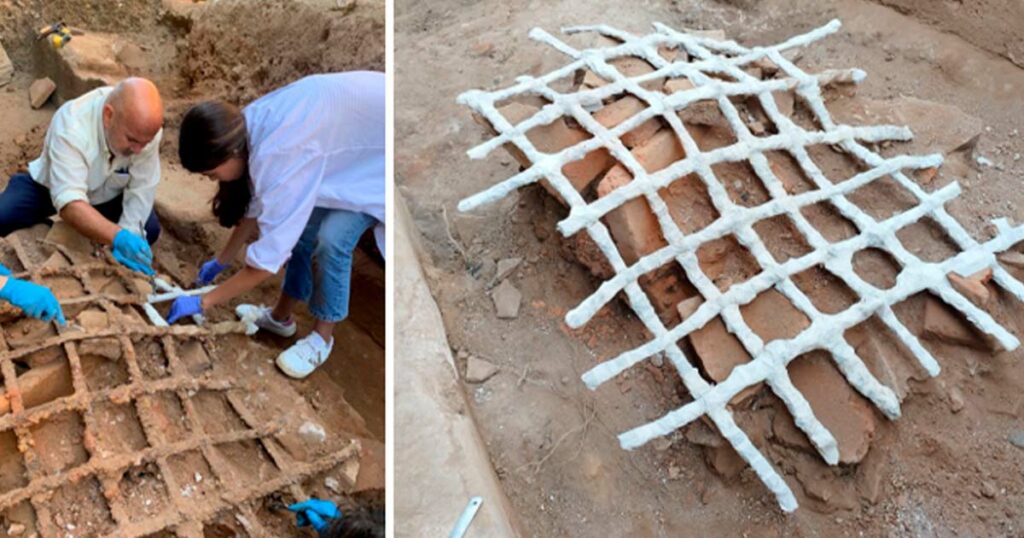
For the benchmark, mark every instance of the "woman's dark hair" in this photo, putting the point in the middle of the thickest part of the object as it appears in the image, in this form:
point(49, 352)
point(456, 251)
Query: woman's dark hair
point(211, 133)
point(359, 522)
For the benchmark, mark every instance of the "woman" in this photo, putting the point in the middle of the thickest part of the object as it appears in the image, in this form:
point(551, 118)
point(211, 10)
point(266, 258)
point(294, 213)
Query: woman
point(34, 300)
point(303, 167)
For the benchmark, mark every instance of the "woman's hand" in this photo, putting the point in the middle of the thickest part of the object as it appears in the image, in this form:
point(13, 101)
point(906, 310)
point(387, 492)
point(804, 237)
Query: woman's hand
point(187, 305)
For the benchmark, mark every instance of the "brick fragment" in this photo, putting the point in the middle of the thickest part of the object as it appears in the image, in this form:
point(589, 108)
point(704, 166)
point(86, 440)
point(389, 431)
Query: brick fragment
point(844, 412)
point(623, 109)
point(703, 112)
point(973, 286)
point(942, 323)
point(40, 91)
point(554, 137)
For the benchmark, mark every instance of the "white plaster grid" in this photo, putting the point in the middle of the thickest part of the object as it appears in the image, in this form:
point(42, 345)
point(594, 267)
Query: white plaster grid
point(825, 331)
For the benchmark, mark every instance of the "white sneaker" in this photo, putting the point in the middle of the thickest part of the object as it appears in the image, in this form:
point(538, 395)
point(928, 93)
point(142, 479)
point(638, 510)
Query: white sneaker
point(304, 356)
point(260, 315)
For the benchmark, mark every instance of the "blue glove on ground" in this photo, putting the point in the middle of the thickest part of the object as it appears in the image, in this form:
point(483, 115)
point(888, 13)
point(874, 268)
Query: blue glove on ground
point(187, 305)
point(4, 271)
point(133, 252)
point(315, 512)
point(209, 271)
point(35, 300)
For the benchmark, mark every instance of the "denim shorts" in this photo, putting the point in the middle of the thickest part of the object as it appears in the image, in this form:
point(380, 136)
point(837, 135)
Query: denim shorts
point(329, 238)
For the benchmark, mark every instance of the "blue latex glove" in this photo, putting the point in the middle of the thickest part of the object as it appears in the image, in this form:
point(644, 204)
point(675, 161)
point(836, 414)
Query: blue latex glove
point(4, 271)
point(315, 512)
point(35, 300)
point(209, 271)
point(187, 305)
point(133, 252)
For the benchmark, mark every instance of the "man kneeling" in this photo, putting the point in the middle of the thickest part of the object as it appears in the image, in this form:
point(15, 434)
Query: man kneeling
point(100, 165)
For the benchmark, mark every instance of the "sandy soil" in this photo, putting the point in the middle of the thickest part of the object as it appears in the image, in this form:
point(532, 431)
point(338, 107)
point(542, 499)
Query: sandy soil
point(934, 472)
point(232, 50)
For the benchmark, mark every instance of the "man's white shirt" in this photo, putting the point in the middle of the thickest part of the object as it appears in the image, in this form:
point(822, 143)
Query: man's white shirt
point(77, 163)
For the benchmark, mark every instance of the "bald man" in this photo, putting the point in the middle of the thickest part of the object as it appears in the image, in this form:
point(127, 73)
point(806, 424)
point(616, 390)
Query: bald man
point(99, 170)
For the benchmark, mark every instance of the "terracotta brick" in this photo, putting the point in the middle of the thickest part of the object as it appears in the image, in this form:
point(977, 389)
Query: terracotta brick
point(40, 91)
point(943, 323)
point(623, 109)
point(724, 460)
point(786, 101)
point(628, 66)
point(718, 349)
point(845, 413)
point(666, 286)
point(704, 112)
point(633, 226)
point(773, 317)
point(973, 286)
point(1012, 259)
point(41, 384)
point(554, 137)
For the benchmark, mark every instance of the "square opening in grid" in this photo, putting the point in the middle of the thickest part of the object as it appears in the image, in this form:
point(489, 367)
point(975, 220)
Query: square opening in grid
point(216, 414)
point(194, 478)
point(63, 287)
point(666, 287)
point(81, 509)
point(883, 198)
point(102, 373)
point(59, 442)
point(876, 267)
point(12, 463)
point(827, 292)
point(44, 382)
point(152, 357)
point(194, 356)
point(143, 492)
point(108, 282)
point(248, 463)
point(744, 186)
point(830, 223)
point(782, 238)
point(169, 417)
point(26, 331)
point(122, 432)
point(619, 109)
point(727, 262)
point(772, 316)
point(927, 240)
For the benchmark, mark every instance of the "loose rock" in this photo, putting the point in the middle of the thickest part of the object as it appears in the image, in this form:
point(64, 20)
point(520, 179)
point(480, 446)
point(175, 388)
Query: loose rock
point(956, 400)
point(505, 267)
point(479, 370)
point(506, 300)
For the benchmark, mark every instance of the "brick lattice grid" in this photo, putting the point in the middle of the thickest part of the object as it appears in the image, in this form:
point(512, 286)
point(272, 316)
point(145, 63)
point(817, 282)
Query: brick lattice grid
point(179, 516)
point(725, 58)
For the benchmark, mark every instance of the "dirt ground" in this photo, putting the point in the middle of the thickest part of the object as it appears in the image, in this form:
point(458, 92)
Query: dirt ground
point(236, 50)
point(945, 468)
